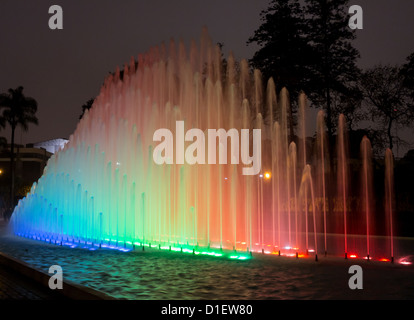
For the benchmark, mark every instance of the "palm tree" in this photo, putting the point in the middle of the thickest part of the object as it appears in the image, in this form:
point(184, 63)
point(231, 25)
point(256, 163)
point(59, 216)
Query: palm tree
point(18, 110)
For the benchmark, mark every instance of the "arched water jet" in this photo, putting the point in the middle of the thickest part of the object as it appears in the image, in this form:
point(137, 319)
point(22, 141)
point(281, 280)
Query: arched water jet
point(305, 184)
point(321, 149)
point(277, 180)
point(293, 167)
point(389, 197)
point(342, 171)
point(271, 107)
point(366, 154)
point(259, 125)
point(303, 151)
point(104, 186)
point(248, 185)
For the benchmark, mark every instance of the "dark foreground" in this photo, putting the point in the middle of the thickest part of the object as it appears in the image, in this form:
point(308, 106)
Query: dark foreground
point(15, 287)
point(158, 275)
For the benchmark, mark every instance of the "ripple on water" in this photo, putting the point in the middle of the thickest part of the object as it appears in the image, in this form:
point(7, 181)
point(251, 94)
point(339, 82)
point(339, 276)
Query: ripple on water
point(161, 275)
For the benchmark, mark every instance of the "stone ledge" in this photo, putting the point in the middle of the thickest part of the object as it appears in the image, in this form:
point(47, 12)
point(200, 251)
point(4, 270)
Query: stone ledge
point(70, 290)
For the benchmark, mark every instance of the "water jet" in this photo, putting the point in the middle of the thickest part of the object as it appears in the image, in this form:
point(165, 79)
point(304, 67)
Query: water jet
point(112, 183)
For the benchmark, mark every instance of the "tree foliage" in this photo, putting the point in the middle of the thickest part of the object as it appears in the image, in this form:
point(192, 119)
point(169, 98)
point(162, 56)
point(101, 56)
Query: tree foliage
point(18, 111)
point(407, 72)
point(334, 69)
point(285, 54)
point(307, 45)
point(387, 97)
point(87, 106)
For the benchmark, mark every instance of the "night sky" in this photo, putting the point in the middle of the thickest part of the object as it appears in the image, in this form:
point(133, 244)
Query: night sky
point(62, 69)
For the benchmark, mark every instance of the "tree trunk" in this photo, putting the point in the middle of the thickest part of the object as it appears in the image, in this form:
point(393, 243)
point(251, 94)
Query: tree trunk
point(390, 134)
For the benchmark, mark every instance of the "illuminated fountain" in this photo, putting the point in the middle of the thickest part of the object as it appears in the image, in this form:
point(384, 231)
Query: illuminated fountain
point(104, 188)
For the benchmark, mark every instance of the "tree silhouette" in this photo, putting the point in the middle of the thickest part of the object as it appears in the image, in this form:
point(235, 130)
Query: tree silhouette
point(387, 97)
point(307, 46)
point(285, 52)
point(86, 106)
point(18, 110)
point(407, 71)
point(334, 68)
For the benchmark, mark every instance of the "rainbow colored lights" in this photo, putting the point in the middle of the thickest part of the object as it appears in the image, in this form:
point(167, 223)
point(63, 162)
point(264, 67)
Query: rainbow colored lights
point(129, 246)
point(104, 189)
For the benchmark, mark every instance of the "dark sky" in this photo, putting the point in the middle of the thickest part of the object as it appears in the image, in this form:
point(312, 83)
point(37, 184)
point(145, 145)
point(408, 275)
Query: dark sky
point(62, 69)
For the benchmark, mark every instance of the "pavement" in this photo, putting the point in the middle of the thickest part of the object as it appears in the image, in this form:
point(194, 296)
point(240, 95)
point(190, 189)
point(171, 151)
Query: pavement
point(15, 287)
point(20, 281)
